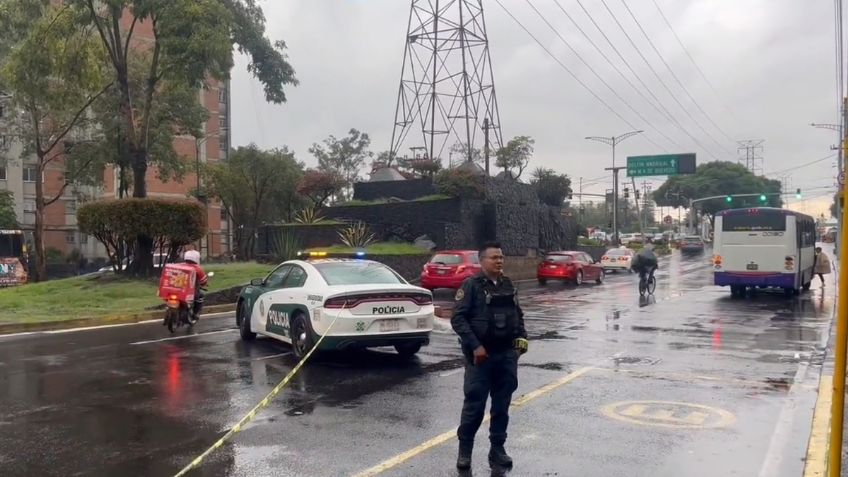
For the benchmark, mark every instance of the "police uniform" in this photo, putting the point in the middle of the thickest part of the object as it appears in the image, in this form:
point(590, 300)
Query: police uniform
point(488, 314)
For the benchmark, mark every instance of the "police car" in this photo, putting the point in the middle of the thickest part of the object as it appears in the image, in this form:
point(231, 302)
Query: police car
point(297, 302)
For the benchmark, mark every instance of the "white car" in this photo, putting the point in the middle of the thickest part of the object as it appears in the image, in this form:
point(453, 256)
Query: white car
point(617, 259)
point(375, 306)
point(628, 238)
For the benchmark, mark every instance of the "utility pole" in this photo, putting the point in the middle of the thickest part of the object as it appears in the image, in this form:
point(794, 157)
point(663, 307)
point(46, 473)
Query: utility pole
point(613, 141)
point(842, 134)
point(486, 143)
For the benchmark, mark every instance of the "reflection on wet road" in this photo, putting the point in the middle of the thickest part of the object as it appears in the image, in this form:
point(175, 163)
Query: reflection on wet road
point(676, 384)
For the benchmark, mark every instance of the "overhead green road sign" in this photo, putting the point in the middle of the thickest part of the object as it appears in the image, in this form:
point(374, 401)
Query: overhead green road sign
point(662, 165)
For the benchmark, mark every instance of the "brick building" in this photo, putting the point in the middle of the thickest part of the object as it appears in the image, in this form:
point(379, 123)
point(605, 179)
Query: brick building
point(17, 174)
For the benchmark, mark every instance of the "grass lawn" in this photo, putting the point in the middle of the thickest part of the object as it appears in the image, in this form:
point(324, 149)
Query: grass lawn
point(83, 297)
point(379, 248)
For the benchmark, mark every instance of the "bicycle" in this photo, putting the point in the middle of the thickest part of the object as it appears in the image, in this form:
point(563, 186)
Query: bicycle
point(647, 285)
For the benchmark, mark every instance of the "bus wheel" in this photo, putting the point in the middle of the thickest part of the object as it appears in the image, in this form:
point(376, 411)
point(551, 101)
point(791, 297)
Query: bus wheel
point(807, 286)
point(737, 291)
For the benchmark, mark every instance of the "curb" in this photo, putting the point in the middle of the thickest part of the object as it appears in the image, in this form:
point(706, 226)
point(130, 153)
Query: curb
point(10, 328)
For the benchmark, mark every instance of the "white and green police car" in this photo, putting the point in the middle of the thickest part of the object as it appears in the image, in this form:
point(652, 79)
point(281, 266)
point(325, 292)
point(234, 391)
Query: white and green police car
point(298, 300)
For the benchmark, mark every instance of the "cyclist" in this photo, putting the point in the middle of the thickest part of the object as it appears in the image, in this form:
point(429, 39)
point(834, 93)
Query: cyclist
point(645, 262)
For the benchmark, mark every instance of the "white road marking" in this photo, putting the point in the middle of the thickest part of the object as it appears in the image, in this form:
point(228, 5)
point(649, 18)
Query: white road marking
point(273, 356)
point(99, 327)
point(451, 373)
point(173, 338)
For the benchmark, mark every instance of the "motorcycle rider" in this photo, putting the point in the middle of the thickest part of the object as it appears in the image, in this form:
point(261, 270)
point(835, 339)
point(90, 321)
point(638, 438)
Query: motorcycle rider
point(192, 258)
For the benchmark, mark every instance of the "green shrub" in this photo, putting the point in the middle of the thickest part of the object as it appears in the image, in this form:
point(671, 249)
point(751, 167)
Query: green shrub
point(172, 224)
point(460, 183)
point(309, 216)
point(285, 246)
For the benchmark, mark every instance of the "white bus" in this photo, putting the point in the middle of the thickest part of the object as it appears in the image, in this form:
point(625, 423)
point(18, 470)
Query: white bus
point(763, 247)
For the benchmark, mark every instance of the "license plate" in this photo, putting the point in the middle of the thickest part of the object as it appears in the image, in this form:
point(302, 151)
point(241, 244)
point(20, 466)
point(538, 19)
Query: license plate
point(552, 267)
point(441, 272)
point(389, 325)
point(753, 266)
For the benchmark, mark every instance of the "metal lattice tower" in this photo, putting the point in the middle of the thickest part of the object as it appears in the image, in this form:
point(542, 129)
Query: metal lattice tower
point(447, 90)
point(753, 160)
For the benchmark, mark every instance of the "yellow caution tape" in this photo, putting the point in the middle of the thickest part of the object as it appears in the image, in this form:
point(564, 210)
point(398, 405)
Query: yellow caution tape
point(262, 405)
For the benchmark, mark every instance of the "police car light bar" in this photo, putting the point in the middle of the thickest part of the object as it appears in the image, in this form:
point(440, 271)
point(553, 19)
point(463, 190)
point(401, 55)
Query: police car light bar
point(306, 255)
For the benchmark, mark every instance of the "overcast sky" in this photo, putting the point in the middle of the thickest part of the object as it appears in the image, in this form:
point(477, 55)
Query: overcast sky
point(771, 64)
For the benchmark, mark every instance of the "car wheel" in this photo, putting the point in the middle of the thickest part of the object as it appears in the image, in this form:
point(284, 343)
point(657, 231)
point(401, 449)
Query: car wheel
point(578, 279)
point(243, 319)
point(542, 282)
point(300, 337)
point(600, 280)
point(408, 350)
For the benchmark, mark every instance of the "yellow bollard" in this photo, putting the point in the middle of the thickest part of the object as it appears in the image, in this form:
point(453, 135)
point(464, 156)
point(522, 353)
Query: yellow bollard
point(834, 467)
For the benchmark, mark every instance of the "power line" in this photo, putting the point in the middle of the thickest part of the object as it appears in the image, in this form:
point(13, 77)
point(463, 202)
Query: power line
point(673, 75)
point(600, 78)
point(801, 165)
point(659, 78)
point(665, 113)
point(581, 83)
point(695, 63)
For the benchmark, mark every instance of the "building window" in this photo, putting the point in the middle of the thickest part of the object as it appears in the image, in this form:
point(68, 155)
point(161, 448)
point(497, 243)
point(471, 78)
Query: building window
point(2, 173)
point(29, 205)
point(223, 213)
point(5, 143)
point(30, 174)
point(222, 122)
point(222, 95)
point(70, 206)
point(222, 143)
point(70, 237)
point(83, 239)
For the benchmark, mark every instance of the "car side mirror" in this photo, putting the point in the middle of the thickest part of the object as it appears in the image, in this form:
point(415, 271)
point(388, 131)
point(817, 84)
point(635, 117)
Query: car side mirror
point(257, 282)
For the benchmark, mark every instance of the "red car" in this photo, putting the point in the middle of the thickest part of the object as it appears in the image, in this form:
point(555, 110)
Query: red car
point(449, 268)
point(574, 267)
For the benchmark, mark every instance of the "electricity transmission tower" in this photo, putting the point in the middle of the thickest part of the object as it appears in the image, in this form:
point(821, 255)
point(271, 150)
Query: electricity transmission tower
point(447, 91)
point(752, 157)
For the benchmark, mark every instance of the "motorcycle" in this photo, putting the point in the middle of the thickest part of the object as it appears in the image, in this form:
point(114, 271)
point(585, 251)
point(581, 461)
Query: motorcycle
point(180, 305)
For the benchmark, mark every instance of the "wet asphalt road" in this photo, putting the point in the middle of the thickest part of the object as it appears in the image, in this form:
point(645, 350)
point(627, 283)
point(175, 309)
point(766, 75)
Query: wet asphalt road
point(689, 382)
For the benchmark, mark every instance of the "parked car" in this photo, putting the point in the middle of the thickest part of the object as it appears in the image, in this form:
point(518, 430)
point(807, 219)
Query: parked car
point(617, 259)
point(627, 239)
point(449, 268)
point(574, 267)
point(692, 244)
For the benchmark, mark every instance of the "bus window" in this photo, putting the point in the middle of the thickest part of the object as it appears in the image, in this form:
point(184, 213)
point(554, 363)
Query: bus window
point(754, 222)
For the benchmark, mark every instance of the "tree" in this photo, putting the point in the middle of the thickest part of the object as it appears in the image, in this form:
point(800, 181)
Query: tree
point(462, 150)
point(192, 43)
point(8, 219)
point(319, 186)
point(53, 73)
point(255, 187)
point(719, 178)
point(345, 157)
point(420, 167)
point(552, 188)
point(515, 155)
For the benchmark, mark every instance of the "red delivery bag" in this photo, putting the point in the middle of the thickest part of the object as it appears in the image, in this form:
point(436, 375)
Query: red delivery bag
point(178, 279)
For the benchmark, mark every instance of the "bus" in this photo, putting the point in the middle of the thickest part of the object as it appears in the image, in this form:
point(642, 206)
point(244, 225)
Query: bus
point(763, 247)
point(13, 264)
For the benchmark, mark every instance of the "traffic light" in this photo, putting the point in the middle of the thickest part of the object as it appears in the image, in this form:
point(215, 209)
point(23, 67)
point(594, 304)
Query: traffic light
point(626, 192)
point(728, 199)
point(798, 193)
point(763, 197)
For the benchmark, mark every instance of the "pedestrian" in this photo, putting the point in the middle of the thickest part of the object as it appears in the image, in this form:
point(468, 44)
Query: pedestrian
point(821, 265)
point(490, 325)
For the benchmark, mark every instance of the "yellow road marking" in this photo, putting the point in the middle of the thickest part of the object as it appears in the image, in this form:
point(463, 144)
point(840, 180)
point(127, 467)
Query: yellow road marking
point(442, 438)
point(679, 415)
point(815, 465)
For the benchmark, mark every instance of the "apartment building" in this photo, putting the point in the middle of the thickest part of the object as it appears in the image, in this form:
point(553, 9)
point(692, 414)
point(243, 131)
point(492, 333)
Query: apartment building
point(17, 174)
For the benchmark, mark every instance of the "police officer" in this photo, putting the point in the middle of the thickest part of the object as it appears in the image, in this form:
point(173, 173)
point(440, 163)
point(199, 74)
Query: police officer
point(490, 325)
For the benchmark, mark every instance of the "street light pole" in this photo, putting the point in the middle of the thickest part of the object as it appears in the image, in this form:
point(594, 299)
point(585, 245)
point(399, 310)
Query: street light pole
point(840, 167)
point(198, 141)
point(613, 141)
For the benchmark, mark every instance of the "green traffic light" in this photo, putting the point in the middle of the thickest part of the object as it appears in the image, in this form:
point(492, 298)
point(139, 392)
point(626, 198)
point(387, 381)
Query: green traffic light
point(728, 199)
point(762, 197)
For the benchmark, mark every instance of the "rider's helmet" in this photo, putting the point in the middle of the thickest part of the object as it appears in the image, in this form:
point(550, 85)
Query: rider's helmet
point(192, 256)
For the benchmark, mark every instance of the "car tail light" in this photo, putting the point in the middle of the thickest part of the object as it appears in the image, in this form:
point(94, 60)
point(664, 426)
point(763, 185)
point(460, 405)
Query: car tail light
point(339, 303)
point(423, 299)
point(461, 268)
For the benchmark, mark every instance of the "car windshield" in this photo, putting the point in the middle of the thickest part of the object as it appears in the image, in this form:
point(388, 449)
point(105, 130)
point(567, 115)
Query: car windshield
point(447, 259)
point(618, 252)
point(559, 258)
point(357, 273)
